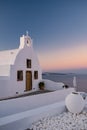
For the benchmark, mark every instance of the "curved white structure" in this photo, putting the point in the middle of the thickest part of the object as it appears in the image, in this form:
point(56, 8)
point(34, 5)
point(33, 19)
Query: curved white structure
point(19, 69)
point(75, 102)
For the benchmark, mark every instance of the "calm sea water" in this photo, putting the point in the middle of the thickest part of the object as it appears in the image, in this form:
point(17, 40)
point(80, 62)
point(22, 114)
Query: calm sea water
point(81, 79)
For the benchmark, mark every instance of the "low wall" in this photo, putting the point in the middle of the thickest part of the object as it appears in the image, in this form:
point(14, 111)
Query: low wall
point(24, 120)
point(4, 90)
point(51, 85)
point(12, 106)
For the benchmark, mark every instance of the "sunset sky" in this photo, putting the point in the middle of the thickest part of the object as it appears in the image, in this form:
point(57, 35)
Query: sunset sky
point(58, 29)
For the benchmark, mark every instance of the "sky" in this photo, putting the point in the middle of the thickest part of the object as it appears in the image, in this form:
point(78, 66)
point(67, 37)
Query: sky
point(58, 29)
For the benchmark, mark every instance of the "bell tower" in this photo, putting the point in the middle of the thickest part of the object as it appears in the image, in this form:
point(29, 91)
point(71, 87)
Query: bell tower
point(25, 41)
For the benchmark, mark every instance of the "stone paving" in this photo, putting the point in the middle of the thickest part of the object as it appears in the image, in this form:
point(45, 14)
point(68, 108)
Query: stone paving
point(64, 121)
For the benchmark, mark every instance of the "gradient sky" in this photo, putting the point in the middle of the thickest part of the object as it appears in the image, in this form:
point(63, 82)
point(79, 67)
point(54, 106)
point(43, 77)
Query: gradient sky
point(58, 29)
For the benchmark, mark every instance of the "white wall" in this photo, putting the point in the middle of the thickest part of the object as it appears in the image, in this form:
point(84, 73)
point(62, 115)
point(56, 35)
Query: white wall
point(20, 55)
point(24, 120)
point(51, 85)
point(19, 114)
point(20, 64)
point(13, 106)
point(4, 89)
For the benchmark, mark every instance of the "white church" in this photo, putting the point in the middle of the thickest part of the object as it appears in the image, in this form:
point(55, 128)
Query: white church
point(19, 69)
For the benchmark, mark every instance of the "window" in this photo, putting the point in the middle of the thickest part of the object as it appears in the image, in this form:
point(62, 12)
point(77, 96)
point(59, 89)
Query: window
point(19, 75)
point(35, 74)
point(28, 62)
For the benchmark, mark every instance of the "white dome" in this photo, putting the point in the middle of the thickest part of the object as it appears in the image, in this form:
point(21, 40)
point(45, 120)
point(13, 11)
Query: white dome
point(75, 102)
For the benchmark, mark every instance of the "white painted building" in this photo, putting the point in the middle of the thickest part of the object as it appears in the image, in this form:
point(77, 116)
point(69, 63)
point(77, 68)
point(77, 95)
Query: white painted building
point(19, 69)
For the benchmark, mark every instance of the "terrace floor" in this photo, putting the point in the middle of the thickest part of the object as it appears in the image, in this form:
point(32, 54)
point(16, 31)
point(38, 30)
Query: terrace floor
point(27, 94)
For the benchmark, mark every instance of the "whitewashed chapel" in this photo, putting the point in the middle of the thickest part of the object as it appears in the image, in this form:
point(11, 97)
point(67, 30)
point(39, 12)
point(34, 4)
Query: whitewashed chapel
point(19, 69)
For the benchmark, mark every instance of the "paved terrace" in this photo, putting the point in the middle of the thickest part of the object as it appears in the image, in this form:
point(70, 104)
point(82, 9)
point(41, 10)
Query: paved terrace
point(27, 94)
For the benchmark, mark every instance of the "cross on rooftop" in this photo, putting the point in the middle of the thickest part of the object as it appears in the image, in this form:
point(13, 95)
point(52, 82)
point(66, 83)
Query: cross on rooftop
point(26, 33)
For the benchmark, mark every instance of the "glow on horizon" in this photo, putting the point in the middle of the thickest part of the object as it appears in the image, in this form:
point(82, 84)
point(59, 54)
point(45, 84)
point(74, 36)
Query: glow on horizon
point(64, 59)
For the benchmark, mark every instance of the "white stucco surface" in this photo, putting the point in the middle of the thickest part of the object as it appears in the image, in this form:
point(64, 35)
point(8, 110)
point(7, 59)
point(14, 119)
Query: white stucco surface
point(8, 57)
point(20, 113)
point(4, 71)
point(24, 120)
point(12, 106)
point(12, 61)
point(51, 85)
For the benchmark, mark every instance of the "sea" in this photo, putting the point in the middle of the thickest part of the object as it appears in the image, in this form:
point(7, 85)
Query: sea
point(67, 79)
